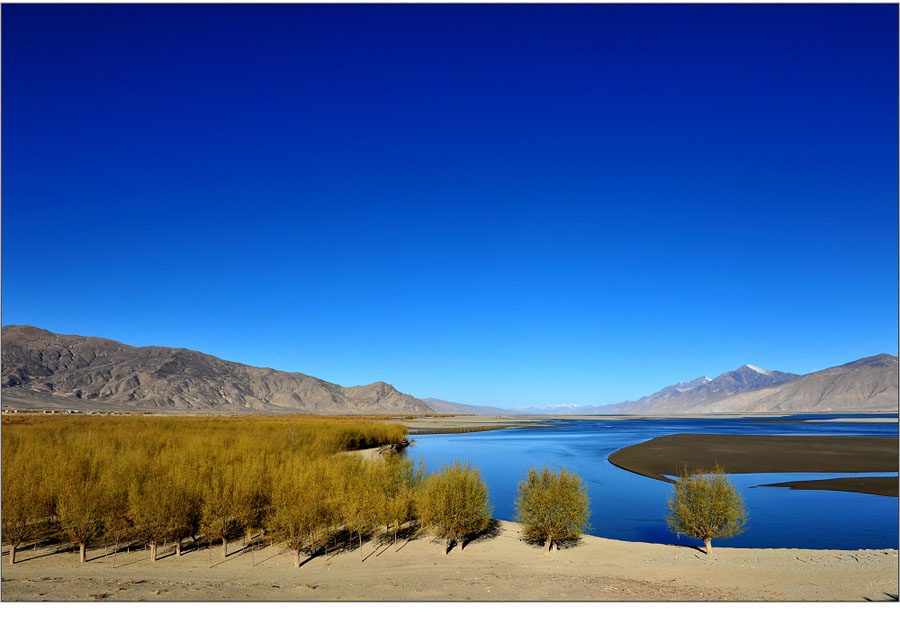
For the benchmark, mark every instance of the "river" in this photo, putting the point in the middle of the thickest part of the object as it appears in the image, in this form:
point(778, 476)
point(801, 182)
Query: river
point(630, 507)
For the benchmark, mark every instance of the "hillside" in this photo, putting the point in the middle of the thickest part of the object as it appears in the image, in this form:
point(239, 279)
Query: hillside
point(699, 394)
point(43, 369)
point(868, 384)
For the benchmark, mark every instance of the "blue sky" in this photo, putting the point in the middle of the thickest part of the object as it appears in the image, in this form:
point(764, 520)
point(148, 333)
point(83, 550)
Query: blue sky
point(503, 205)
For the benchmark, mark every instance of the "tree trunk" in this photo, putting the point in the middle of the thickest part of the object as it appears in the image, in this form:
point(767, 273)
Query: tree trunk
point(446, 545)
point(178, 547)
point(361, 558)
point(708, 543)
point(152, 551)
point(224, 548)
point(555, 546)
point(297, 558)
point(82, 551)
point(12, 553)
point(548, 544)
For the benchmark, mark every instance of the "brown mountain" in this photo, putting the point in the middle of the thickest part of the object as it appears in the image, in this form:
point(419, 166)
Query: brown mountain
point(868, 384)
point(696, 395)
point(43, 369)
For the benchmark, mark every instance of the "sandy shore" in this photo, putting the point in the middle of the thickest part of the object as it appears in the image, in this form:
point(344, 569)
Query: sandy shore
point(501, 567)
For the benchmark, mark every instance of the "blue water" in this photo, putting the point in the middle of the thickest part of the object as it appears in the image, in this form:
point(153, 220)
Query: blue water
point(627, 506)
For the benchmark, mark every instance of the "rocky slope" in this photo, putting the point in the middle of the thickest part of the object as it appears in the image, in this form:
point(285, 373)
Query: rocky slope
point(43, 369)
point(696, 395)
point(868, 384)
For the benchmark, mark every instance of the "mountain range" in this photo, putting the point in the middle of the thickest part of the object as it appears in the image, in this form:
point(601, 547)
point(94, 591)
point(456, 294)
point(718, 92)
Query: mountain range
point(868, 384)
point(47, 370)
point(43, 369)
point(449, 407)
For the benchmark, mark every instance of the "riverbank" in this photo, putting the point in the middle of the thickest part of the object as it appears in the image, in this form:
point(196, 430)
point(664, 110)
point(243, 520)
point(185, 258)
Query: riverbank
point(499, 567)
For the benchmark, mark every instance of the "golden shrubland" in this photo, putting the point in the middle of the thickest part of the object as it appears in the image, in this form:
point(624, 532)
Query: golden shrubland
point(157, 480)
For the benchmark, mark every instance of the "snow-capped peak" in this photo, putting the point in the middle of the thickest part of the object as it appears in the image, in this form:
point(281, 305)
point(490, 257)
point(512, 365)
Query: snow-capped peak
point(762, 371)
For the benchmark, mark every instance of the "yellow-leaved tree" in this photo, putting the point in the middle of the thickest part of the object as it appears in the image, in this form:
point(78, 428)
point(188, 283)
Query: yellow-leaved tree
point(552, 506)
point(453, 503)
point(705, 505)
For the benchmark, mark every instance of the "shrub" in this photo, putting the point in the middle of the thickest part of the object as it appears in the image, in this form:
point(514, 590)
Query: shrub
point(705, 505)
point(552, 506)
point(453, 503)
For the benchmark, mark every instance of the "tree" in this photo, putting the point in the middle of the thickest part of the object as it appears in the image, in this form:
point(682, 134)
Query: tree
point(705, 505)
point(114, 488)
point(397, 482)
point(80, 505)
point(148, 508)
point(27, 503)
point(218, 510)
point(552, 506)
point(251, 494)
point(300, 513)
point(184, 514)
point(360, 502)
point(453, 503)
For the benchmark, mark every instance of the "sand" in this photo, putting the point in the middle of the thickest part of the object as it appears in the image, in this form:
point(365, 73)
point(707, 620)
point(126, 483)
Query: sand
point(500, 567)
point(665, 455)
point(463, 423)
point(881, 486)
point(853, 420)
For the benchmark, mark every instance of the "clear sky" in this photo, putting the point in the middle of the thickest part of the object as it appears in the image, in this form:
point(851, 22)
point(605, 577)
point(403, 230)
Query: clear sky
point(502, 205)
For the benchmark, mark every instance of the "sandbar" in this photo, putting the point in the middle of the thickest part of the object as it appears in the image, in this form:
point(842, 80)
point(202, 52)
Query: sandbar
point(882, 486)
point(736, 454)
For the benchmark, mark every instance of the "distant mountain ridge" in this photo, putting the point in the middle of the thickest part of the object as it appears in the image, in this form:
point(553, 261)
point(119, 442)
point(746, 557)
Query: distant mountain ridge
point(703, 391)
point(867, 384)
point(449, 407)
point(43, 369)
